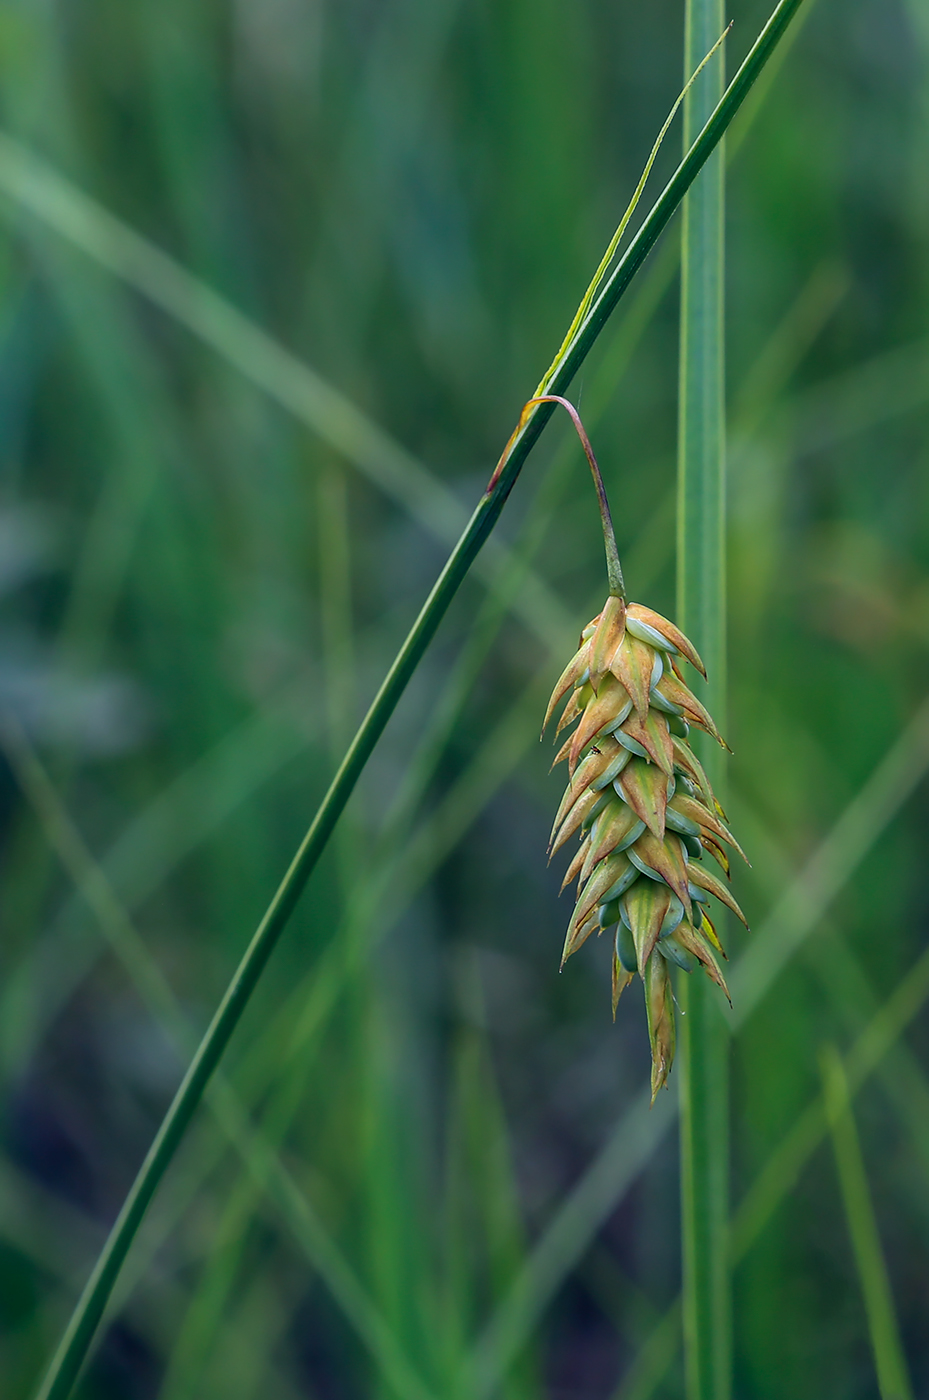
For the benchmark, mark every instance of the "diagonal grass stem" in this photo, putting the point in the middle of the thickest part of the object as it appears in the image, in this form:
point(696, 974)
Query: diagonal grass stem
point(263, 1168)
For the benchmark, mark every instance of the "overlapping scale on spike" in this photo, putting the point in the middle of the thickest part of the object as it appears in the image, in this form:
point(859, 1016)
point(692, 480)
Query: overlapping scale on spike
point(642, 808)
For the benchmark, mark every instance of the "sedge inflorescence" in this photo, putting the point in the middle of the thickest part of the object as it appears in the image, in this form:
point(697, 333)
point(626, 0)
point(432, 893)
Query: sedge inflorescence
point(644, 809)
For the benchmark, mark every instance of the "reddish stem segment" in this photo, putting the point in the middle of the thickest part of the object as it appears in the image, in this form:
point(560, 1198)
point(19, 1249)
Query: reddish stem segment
point(613, 567)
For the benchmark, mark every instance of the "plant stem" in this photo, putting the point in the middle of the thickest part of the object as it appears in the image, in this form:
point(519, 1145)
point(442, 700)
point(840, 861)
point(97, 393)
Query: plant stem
point(79, 1334)
point(702, 609)
point(614, 571)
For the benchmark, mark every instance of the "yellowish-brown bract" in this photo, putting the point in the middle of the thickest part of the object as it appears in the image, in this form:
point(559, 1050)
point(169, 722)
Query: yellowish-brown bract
point(643, 808)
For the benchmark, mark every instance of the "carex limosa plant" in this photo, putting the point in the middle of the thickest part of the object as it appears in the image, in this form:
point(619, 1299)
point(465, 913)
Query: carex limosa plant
point(610, 647)
point(639, 799)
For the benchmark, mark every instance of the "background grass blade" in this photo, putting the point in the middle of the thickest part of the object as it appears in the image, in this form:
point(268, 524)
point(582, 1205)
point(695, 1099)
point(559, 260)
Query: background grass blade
point(785, 1163)
point(635, 1138)
point(567, 1238)
point(780, 1175)
point(698, 152)
point(892, 1378)
point(903, 767)
point(265, 1172)
point(40, 190)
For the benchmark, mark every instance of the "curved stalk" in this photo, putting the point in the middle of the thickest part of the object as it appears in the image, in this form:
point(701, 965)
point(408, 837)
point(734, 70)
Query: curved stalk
point(614, 570)
point(79, 1334)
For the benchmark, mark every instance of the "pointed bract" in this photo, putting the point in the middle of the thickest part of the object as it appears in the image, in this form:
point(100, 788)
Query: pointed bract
point(572, 709)
point(577, 864)
point(653, 735)
point(708, 929)
point(718, 854)
point(659, 1004)
point(690, 807)
point(616, 827)
point(575, 818)
point(607, 637)
point(603, 708)
point(632, 665)
point(673, 634)
point(566, 681)
point(596, 762)
point(577, 936)
point(610, 869)
point(644, 908)
point(704, 880)
point(645, 788)
point(563, 752)
point(662, 860)
point(693, 942)
point(677, 692)
point(621, 980)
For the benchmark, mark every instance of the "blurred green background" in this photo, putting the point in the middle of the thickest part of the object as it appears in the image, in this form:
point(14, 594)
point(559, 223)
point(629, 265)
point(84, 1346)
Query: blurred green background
point(228, 480)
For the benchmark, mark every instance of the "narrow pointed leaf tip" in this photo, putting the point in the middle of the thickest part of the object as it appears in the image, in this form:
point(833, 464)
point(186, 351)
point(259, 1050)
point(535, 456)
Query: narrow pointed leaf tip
point(644, 810)
point(613, 245)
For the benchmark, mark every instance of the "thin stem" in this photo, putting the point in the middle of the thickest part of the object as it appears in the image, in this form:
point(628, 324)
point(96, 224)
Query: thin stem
point(704, 1087)
point(609, 255)
point(614, 570)
point(658, 217)
point(890, 1363)
point(79, 1334)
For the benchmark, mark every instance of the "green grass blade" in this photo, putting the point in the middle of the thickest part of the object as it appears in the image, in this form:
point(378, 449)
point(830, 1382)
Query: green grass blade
point(701, 585)
point(258, 357)
point(613, 245)
point(181, 817)
point(654, 1359)
point(902, 1078)
point(567, 1239)
point(79, 1333)
point(264, 1172)
point(892, 1377)
point(90, 1309)
point(807, 897)
point(282, 1072)
point(667, 203)
point(796, 1147)
point(848, 987)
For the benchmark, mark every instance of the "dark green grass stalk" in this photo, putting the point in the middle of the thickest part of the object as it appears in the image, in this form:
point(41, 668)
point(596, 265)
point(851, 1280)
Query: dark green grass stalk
point(704, 1083)
point(89, 1311)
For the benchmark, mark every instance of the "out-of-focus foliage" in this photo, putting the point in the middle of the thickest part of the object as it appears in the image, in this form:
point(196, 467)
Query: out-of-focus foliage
point(199, 595)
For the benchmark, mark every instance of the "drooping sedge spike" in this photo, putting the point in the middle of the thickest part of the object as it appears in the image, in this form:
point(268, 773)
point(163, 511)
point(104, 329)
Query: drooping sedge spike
point(639, 798)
